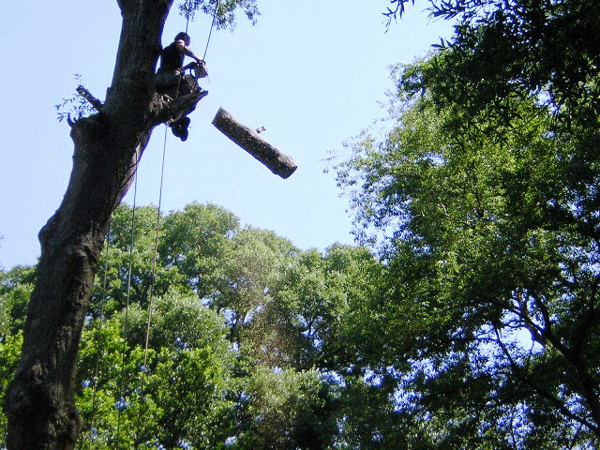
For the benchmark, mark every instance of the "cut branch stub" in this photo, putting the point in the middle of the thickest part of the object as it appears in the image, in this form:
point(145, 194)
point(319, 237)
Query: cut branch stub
point(170, 109)
point(89, 97)
point(247, 138)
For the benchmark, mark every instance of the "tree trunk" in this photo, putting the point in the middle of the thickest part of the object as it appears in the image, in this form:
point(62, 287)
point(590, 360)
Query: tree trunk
point(40, 400)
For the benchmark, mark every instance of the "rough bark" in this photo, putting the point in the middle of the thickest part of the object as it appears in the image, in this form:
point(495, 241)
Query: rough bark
point(247, 138)
point(107, 146)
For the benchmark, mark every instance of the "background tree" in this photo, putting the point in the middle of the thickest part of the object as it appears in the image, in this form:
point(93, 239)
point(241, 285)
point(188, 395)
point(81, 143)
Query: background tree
point(180, 395)
point(175, 397)
point(194, 243)
point(491, 244)
point(257, 355)
point(540, 48)
point(487, 187)
point(277, 383)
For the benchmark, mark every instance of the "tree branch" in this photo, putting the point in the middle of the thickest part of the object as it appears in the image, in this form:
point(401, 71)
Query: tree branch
point(248, 139)
point(89, 97)
point(516, 370)
point(166, 110)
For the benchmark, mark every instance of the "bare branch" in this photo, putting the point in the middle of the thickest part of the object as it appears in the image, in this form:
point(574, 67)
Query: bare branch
point(542, 392)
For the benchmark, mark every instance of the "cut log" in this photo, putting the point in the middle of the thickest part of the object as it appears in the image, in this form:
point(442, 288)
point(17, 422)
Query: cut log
point(247, 138)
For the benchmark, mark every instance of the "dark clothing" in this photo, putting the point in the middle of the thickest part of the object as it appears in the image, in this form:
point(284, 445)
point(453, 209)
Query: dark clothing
point(170, 59)
point(167, 77)
point(170, 80)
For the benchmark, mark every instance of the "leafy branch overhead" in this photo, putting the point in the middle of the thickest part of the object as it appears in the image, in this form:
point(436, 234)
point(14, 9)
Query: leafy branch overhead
point(224, 11)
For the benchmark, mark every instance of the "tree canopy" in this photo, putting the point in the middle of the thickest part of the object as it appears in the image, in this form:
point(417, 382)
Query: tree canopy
point(246, 334)
point(483, 198)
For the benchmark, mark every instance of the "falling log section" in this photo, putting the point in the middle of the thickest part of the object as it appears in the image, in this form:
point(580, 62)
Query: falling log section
point(247, 138)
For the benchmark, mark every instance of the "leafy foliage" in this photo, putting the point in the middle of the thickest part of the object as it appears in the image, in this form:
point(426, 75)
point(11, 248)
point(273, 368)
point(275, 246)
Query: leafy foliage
point(490, 236)
point(74, 108)
point(222, 10)
point(234, 343)
point(484, 200)
point(10, 351)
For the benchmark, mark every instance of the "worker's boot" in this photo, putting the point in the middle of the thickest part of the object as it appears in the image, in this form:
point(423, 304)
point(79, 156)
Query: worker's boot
point(180, 128)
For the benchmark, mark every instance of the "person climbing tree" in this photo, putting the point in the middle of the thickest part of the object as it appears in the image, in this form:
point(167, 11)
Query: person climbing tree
point(170, 77)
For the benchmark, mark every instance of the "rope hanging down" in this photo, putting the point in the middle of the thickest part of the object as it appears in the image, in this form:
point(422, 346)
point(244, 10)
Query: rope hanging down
point(152, 280)
point(148, 325)
point(211, 29)
point(189, 14)
point(152, 285)
point(127, 300)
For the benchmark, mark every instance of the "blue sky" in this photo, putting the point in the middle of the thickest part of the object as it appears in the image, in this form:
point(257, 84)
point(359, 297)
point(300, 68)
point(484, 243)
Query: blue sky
point(313, 73)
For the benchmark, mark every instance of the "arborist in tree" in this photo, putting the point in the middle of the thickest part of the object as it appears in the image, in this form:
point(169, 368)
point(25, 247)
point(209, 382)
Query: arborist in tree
point(171, 76)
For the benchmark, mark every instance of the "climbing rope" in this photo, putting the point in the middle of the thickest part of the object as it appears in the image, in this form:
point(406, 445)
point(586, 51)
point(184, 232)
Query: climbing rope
point(158, 210)
point(188, 15)
point(128, 295)
point(98, 336)
point(211, 29)
point(152, 284)
point(120, 400)
point(126, 321)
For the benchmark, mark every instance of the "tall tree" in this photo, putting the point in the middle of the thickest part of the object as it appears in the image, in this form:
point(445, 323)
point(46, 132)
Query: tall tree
point(491, 220)
point(108, 146)
point(488, 187)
